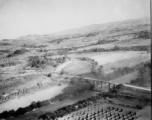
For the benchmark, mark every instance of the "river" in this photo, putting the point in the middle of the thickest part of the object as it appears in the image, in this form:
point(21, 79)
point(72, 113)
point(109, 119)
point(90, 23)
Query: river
point(60, 104)
point(27, 99)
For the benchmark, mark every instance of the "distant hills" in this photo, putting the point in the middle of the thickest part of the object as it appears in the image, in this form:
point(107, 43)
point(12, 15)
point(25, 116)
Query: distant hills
point(85, 30)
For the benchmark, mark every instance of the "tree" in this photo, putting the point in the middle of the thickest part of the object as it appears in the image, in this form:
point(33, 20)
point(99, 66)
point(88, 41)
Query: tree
point(33, 105)
point(116, 48)
point(1, 75)
point(38, 104)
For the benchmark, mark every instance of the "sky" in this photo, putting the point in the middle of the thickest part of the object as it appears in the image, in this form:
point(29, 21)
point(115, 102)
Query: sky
point(23, 17)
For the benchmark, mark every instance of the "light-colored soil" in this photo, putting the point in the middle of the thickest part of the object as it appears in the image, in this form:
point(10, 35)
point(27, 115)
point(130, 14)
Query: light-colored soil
point(78, 67)
point(126, 78)
point(33, 82)
point(60, 67)
point(113, 57)
point(129, 62)
point(74, 67)
point(110, 60)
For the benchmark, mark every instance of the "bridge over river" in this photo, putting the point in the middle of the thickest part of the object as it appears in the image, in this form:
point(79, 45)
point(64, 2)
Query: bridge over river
point(105, 86)
point(99, 85)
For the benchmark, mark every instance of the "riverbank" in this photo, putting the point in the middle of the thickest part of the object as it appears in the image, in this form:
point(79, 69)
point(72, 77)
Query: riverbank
point(56, 106)
point(26, 100)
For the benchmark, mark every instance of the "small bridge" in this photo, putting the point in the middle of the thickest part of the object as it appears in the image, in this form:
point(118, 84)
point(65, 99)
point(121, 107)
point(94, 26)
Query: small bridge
point(99, 85)
point(105, 86)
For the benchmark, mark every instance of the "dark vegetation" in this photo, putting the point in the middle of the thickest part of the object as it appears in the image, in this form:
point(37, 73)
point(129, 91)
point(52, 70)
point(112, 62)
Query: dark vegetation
point(17, 52)
point(42, 61)
point(7, 63)
point(144, 76)
point(4, 51)
point(42, 46)
point(76, 86)
point(63, 51)
point(22, 111)
point(58, 40)
point(4, 44)
point(70, 108)
point(37, 62)
point(43, 50)
point(105, 42)
point(117, 48)
point(68, 50)
point(91, 34)
point(143, 35)
point(95, 63)
point(29, 46)
point(99, 42)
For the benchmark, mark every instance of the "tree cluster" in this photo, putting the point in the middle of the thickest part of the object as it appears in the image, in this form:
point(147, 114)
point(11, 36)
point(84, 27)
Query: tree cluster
point(117, 48)
point(22, 111)
point(143, 35)
point(144, 76)
point(36, 61)
point(105, 41)
point(70, 108)
point(17, 52)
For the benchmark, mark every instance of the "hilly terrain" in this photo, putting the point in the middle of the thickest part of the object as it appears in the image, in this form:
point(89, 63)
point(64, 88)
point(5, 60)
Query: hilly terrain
point(118, 52)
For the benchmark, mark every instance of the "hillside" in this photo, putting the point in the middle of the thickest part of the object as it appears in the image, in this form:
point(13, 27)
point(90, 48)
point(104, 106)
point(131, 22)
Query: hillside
point(111, 51)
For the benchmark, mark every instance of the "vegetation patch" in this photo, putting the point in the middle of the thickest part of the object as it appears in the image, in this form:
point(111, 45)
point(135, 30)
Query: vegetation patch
point(117, 48)
point(100, 42)
point(143, 35)
point(17, 52)
point(144, 76)
point(4, 44)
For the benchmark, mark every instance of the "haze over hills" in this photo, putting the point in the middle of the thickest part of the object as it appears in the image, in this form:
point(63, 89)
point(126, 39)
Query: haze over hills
point(85, 30)
point(20, 17)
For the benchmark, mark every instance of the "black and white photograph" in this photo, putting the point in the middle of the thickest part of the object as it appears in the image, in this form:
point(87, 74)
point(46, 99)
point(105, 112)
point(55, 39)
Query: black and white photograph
point(75, 59)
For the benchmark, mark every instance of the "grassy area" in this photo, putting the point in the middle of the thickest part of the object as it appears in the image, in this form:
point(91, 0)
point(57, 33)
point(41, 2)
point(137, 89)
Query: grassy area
point(78, 67)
